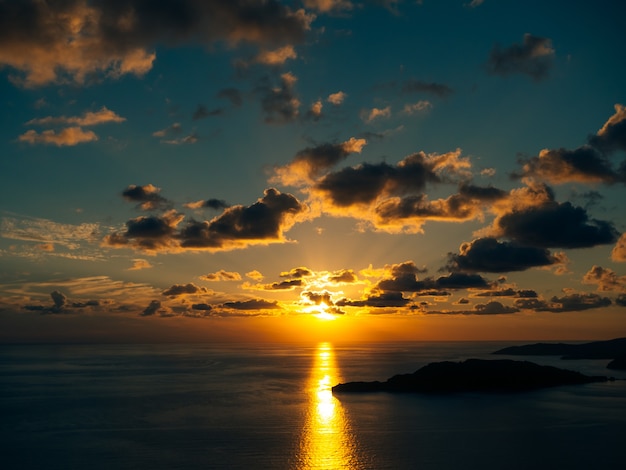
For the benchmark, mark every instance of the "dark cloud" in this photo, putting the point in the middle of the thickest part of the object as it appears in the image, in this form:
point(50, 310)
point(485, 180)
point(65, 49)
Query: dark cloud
point(363, 184)
point(238, 226)
point(231, 94)
point(280, 103)
point(147, 233)
point(418, 86)
point(533, 57)
point(202, 112)
point(253, 304)
point(313, 161)
point(319, 297)
point(147, 197)
point(454, 208)
point(298, 272)
point(262, 222)
point(382, 300)
point(183, 289)
point(482, 193)
point(151, 309)
point(621, 300)
point(59, 299)
point(568, 303)
point(202, 306)
point(346, 276)
point(612, 135)
point(555, 225)
point(410, 283)
point(284, 285)
point(215, 204)
point(584, 165)
point(114, 37)
point(490, 255)
point(490, 308)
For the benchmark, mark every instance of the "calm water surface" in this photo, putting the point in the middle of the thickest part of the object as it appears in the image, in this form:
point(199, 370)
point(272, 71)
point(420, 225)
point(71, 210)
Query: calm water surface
point(270, 407)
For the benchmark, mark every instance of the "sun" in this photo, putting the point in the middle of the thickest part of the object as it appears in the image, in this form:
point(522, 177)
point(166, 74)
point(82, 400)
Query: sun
point(321, 312)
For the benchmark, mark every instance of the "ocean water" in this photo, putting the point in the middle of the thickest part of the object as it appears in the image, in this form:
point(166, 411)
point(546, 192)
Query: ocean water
point(270, 407)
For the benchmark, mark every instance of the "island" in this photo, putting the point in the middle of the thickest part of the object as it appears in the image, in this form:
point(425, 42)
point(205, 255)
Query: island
point(614, 349)
point(474, 375)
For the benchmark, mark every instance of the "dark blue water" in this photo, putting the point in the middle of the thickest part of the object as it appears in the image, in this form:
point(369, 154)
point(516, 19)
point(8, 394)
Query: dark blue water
point(270, 406)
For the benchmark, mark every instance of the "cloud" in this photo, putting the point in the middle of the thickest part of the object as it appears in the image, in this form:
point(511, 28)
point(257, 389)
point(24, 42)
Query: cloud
point(490, 255)
point(297, 273)
point(252, 304)
point(568, 303)
point(619, 250)
point(343, 276)
point(381, 300)
point(69, 136)
point(256, 275)
point(612, 135)
point(326, 6)
point(283, 285)
point(583, 165)
point(607, 280)
point(337, 99)
point(222, 275)
point(89, 118)
point(202, 112)
point(533, 57)
point(412, 108)
point(152, 233)
point(314, 161)
point(315, 111)
point(146, 196)
point(408, 282)
point(418, 86)
point(140, 264)
point(554, 225)
point(168, 135)
point(370, 115)
point(215, 204)
point(509, 292)
point(318, 298)
point(231, 94)
point(280, 103)
point(277, 56)
point(490, 308)
point(239, 226)
point(183, 289)
point(474, 3)
point(202, 306)
point(151, 309)
point(74, 41)
point(47, 231)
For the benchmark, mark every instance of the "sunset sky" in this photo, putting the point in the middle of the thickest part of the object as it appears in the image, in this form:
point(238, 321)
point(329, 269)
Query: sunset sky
point(256, 170)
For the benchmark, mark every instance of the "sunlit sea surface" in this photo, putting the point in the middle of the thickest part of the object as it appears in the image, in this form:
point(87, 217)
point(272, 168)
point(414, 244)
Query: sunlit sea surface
point(270, 407)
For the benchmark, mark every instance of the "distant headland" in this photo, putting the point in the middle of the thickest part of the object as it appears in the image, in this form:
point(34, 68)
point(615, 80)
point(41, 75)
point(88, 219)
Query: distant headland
point(474, 375)
point(614, 349)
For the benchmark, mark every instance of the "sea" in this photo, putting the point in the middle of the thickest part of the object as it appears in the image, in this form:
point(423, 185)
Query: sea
point(270, 406)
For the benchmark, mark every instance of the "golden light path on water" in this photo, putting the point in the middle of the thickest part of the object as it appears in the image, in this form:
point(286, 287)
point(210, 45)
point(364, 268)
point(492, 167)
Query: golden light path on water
point(328, 441)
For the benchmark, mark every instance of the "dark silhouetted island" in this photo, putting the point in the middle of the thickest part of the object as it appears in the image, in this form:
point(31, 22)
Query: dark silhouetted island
point(612, 349)
point(474, 375)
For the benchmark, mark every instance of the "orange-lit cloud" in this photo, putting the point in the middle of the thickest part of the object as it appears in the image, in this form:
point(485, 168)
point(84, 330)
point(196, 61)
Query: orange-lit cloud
point(412, 108)
point(222, 275)
point(66, 137)
point(619, 250)
point(139, 264)
point(370, 115)
point(606, 279)
point(336, 98)
point(89, 118)
point(75, 41)
point(313, 161)
point(277, 56)
point(325, 6)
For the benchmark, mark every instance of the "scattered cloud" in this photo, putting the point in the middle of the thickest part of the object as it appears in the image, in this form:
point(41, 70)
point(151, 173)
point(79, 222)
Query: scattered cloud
point(277, 56)
point(140, 264)
point(370, 115)
point(607, 280)
point(533, 57)
point(184, 289)
point(419, 86)
point(619, 250)
point(215, 204)
point(76, 42)
point(222, 275)
point(69, 136)
point(147, 197)
point(412, 108)
point(337, 99)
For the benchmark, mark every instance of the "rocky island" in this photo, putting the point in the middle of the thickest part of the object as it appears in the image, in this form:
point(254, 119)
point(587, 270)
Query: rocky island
point(474, 375)
point(614, 349)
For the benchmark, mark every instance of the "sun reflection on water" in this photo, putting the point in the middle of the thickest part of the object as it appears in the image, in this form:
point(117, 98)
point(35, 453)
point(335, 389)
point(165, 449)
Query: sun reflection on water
point(327, 441)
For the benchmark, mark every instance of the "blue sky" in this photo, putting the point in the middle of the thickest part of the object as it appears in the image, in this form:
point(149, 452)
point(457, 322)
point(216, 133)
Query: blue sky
point(427, 170)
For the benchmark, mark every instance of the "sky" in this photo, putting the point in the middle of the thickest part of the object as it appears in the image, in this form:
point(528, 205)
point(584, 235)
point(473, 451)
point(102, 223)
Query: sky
point(343, 170)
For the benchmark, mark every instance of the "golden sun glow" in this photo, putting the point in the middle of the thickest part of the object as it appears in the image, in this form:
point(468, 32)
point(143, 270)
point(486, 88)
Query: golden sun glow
point(327, 440)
